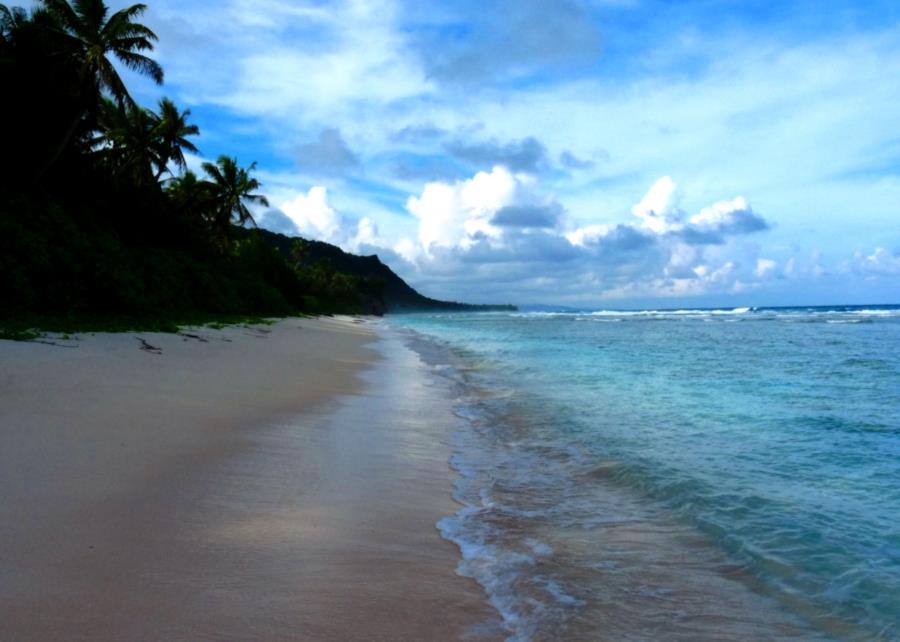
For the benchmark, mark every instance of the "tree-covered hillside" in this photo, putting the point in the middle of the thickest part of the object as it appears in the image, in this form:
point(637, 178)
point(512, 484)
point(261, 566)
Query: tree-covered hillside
point(396, 295)
point(99, 215)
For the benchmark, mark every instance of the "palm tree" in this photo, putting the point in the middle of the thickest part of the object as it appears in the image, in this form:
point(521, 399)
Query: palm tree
point(129, 142)
point(188, 193)
point(230, 187)
point(191, 198)
point(136, 139)
point(172, 133)
point(90, 35)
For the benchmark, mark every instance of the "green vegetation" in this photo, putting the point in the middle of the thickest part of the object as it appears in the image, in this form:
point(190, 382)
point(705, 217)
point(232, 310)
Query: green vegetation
point(18, 334)
point(31, 328)
point(101, 224)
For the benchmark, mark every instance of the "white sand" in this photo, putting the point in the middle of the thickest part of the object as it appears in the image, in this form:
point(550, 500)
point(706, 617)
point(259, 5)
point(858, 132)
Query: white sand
point(225, 488)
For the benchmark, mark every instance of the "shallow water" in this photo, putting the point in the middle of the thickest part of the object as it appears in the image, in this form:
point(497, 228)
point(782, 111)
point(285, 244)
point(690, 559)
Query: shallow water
point(726, 474)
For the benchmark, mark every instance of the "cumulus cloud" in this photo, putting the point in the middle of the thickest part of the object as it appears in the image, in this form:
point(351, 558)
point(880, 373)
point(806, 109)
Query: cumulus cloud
point(366, 234)
point(657, 209)
point(479, 210)
point(765, 268)
point(310, 215)
point(712, 225)
point(313, 216)
point(881, 262)
point(527, 216)
point(623, 238)
point(329, 154)
point(729, 218)
point(275, 220)
point(526, 155)
point(499, 225)
point(587, 234)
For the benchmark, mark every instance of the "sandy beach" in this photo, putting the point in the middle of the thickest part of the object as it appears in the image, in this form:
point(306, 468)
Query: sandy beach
point(262, 483)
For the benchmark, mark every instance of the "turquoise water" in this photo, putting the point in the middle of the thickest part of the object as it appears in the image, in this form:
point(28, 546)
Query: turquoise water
point(714, 474)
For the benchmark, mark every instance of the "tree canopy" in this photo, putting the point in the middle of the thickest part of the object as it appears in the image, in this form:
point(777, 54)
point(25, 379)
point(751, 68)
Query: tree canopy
point(99, 212)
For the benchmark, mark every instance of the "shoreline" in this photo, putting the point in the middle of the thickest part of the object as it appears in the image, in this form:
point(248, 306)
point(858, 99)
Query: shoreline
point(249, 483)
point(565, 547)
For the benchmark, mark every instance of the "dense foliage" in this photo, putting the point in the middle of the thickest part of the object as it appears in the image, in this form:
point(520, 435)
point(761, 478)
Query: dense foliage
point(99, 216)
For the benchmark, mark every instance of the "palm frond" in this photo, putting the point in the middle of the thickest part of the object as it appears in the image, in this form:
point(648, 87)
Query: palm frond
point(130, 44)
point(257, 198)
point(141, 64)
point(121, 24)
point(92, 13)
point(62, 11)
point(129, 30)
point(213, 171)
point(112, 82)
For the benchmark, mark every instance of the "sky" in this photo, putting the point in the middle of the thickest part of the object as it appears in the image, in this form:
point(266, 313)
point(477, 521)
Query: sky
point(589, 153)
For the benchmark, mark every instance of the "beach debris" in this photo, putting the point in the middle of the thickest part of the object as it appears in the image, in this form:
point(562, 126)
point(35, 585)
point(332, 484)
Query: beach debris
point(54, 343)
point(146, 347)
point(196, 337)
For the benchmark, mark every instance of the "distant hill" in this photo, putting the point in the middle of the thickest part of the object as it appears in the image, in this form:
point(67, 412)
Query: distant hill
point(398, 295)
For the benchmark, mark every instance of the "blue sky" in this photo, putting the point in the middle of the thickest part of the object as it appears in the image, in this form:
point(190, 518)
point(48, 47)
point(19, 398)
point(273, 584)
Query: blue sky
point(608, 153)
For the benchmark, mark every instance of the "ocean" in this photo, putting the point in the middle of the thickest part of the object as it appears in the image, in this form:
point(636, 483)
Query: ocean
point(726, 474)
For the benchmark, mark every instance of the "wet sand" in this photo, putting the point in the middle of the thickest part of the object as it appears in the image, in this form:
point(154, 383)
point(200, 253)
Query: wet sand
point(269, 483)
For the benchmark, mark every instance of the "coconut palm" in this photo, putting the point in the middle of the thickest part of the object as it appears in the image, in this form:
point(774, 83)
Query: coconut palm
point(230, 187)
point(91, 38)
point(92, 35)
point(172, 132)
point(189, 194)
point(132, 137)
point(129, 142)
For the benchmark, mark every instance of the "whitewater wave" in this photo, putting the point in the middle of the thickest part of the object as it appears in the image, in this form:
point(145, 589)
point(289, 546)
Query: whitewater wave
point(793, 315)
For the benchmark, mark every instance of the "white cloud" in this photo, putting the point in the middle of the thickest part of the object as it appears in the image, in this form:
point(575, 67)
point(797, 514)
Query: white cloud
point(440, 213)
point(297, 63)
point(720, 214)
point(657, 209)
point(408, 249)
point(366, 233)
point(459, 231)
point(461, 213)
point(313, 216)
point(878, 263)
point(765, 268)
point(588, 234)
point(685, 260)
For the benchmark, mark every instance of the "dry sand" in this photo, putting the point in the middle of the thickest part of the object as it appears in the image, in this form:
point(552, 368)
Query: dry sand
point(266, 483)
